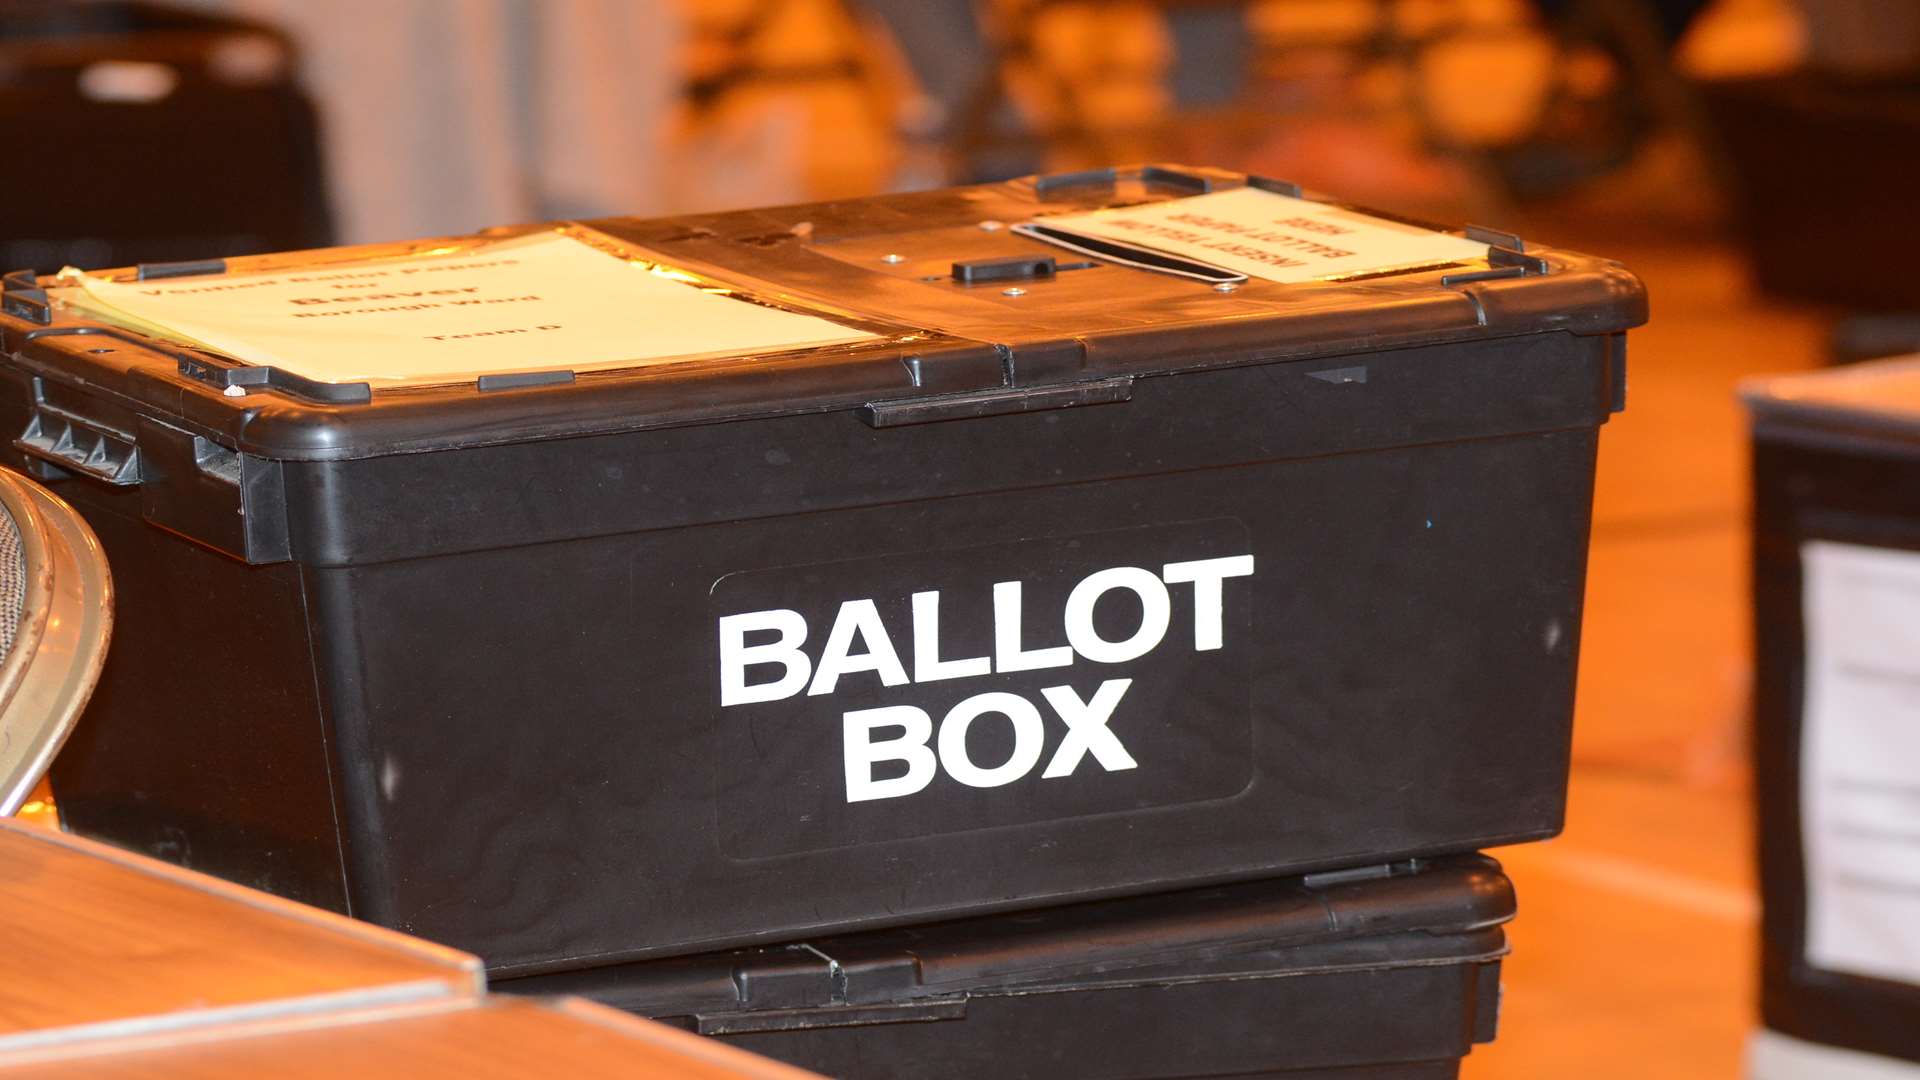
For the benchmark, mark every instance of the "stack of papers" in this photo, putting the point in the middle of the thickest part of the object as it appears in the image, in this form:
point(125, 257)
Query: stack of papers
point(540, 303)
point(1249, 232)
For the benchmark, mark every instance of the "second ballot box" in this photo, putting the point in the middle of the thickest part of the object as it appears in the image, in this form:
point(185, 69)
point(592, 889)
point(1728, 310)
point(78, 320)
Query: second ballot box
point(1389, 973)
point(1836, 574)
point(584, 593)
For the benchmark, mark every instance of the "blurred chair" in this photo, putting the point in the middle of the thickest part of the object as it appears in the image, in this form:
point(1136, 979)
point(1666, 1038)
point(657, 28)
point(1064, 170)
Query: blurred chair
point(446, 116)
point(143, 132)
point(56, 613)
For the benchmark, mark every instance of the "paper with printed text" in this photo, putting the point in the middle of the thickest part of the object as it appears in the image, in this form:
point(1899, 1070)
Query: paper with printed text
point(1267, 235)
point(546, 302)
point(1860, 759)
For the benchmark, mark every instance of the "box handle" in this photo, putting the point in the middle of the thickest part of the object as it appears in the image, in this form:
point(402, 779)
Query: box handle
point(79, 445)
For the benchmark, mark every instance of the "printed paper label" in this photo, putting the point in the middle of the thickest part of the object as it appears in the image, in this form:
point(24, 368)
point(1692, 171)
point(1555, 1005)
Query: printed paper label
point(1860, 759)
point(1267, 235)
point(547, 302)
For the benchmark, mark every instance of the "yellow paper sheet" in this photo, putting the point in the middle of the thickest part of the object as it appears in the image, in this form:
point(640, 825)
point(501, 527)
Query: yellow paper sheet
point(545, 302)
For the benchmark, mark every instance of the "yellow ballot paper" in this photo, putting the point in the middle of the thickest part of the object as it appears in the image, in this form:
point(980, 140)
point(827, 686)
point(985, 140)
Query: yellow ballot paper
point(1262, 234)
point(545, 302)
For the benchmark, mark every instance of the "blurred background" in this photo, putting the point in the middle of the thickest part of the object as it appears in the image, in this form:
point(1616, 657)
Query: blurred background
point(272, 121)
point(1751, 159)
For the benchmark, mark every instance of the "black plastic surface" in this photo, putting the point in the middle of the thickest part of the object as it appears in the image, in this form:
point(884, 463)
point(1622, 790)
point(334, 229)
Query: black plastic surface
point(1013, 268)
point(1102, 322)
point(188, 268)
point(1368, 977)
point(490, 620)
point(1835, 457)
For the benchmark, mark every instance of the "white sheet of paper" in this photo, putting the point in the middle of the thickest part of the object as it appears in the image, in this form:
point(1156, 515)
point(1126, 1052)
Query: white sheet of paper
point(538, 303)
point(1860, 759)
point(1268, 235)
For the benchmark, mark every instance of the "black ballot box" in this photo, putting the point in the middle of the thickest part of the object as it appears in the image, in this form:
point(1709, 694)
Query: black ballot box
point(1050, 576)
point(1836, 576)
point(1392, 975)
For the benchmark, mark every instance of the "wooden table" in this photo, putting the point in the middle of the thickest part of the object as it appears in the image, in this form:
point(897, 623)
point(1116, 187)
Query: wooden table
point(95, 942)
point(474, 1039)
point(115, 965)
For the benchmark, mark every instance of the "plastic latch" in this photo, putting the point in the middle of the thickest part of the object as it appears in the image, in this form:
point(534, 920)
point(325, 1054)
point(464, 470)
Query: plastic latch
point(1471, 276)
point(790, 978)
point(194, 268)
point(757, 1021)
point(1506, 256)
point(1174, 178)
point(1374, 872)
point(242, 379)
point(1278, 187)
point(899, 413)
point(1046, 185)
point(520, 380)
point(887, 974)
point(1342, 877)
point(1495, 237)
point(22, 297)
point(1502, 262)
point(71, 442)
point(1014, 268)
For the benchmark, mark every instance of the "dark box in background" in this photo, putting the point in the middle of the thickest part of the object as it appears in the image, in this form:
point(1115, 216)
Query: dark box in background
point(451, 658)
point(1820, 165)
point(198, 140)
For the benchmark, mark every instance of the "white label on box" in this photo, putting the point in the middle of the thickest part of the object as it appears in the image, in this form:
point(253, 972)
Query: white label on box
point(1860, 759)
point(543, 303)
point(1267, 235)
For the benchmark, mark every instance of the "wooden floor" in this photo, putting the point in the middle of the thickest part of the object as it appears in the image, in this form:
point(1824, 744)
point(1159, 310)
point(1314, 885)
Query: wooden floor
point(1634, 951)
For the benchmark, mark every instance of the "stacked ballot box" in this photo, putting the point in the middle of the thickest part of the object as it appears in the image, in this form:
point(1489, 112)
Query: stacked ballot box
point(1836, 526)
point(1393, 974)
point(601, 593)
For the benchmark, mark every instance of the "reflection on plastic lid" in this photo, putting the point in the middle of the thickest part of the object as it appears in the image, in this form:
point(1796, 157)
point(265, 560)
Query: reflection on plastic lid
point(127, 81)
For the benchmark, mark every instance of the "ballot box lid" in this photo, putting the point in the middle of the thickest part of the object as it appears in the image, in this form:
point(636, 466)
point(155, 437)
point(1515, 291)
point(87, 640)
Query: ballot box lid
point(942, 305)
point(1878, 399)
